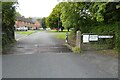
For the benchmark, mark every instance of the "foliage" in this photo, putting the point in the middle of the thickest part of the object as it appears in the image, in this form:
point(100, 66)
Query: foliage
point(53, 20)
point(60, 35)
point(72, 38)
point(8, 21)
point(117, 38)
point(8, 13)
point(95, 17)
point(105, 12)
point(107, 17)
point(76, 49)
point(70, 13)
point(18, 14)
point(0, 6)
point(30, 18)
point(43, 23)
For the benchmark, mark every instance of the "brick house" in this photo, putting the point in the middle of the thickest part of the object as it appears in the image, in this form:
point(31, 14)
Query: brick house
point(37, 24)
point(22, 21)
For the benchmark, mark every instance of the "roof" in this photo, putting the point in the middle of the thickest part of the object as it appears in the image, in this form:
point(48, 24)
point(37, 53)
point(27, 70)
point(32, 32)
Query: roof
point(25, 19)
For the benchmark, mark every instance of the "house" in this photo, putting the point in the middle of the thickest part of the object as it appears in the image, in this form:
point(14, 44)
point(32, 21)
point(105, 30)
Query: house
point(19, 22)
point(37, 24)
point(22, 21)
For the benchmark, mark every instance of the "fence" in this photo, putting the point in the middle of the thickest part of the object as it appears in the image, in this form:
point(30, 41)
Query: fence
point(102, 42)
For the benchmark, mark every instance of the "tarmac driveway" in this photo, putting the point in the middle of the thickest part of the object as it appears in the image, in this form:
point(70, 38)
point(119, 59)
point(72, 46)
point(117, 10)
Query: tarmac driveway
point(39, 55)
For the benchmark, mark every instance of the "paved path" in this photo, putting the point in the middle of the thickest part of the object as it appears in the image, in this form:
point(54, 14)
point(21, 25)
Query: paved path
point(39, 55)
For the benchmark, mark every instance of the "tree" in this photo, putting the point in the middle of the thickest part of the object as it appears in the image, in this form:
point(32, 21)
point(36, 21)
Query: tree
point(92, 16)
point(75, 15)
point(0, 7)
point(18, 14)
point(88, 17)
point(53, 20)
point(105, 12)
point(30, 18)
point(43, 23)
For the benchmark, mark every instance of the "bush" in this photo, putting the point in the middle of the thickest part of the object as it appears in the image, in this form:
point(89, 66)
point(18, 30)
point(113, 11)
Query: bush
point(72, 38)
point(117, 39)
point(76, 49)
point(8, 21)
point(109, 29)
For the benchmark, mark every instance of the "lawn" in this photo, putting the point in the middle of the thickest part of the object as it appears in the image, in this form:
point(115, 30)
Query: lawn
point(25, 32)
point(59, 35)
point(57, 31)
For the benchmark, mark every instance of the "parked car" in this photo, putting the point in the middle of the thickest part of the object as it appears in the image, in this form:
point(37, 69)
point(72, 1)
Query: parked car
point(40, 28)
point(22, 29)
point(29, 28)
point(17, 29)
point(48, 29)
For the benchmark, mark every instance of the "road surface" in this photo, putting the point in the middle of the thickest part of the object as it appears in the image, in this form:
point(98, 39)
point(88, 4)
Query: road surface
point(40, 55)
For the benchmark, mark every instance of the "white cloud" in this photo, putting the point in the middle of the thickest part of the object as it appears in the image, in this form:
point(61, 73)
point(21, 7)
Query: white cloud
point(36, 8)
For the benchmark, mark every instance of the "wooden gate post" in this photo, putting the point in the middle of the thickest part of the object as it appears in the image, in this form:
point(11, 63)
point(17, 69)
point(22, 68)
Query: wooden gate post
point(78, 39)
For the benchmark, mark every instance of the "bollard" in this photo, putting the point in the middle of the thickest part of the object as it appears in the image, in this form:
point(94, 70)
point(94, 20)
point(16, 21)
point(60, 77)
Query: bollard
point(67, 37)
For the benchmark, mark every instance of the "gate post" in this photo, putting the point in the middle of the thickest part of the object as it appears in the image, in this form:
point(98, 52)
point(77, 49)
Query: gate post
point(66, 37)
point(78, 39)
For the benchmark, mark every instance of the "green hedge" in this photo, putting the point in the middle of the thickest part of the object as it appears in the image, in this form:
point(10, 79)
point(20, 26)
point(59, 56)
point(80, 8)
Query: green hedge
point(8, 21)
point(109, 29)
point(117, 41)
point(7, 38)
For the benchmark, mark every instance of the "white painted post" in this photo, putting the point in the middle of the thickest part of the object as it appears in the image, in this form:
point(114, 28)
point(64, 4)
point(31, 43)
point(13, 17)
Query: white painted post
point(78, 39)
point(67, 37)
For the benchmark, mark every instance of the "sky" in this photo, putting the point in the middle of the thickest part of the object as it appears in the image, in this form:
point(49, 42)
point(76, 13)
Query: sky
point(36, 8)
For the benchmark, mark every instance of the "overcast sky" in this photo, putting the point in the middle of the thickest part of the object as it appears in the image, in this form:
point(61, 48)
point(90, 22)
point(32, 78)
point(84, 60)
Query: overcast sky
point(36, 8)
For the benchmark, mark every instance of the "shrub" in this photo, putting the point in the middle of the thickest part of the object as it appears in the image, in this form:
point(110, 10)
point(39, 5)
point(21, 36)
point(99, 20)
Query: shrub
point(76, 49)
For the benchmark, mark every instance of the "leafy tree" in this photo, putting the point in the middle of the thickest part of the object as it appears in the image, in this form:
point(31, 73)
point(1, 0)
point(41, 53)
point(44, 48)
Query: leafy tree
point(0, 7)
point(30, 18)
point(18, 14)
point(43, 23)
point(39, 19)
point(99, 17)
point(107, 14)
point(53, 20)
point(75, 15)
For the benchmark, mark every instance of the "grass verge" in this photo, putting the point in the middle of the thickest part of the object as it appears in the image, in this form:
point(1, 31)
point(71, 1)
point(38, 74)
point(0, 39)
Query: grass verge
point(74, 49)
point(110, 52)
point(25, 32)
point(59, 35)
point(57, 31)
